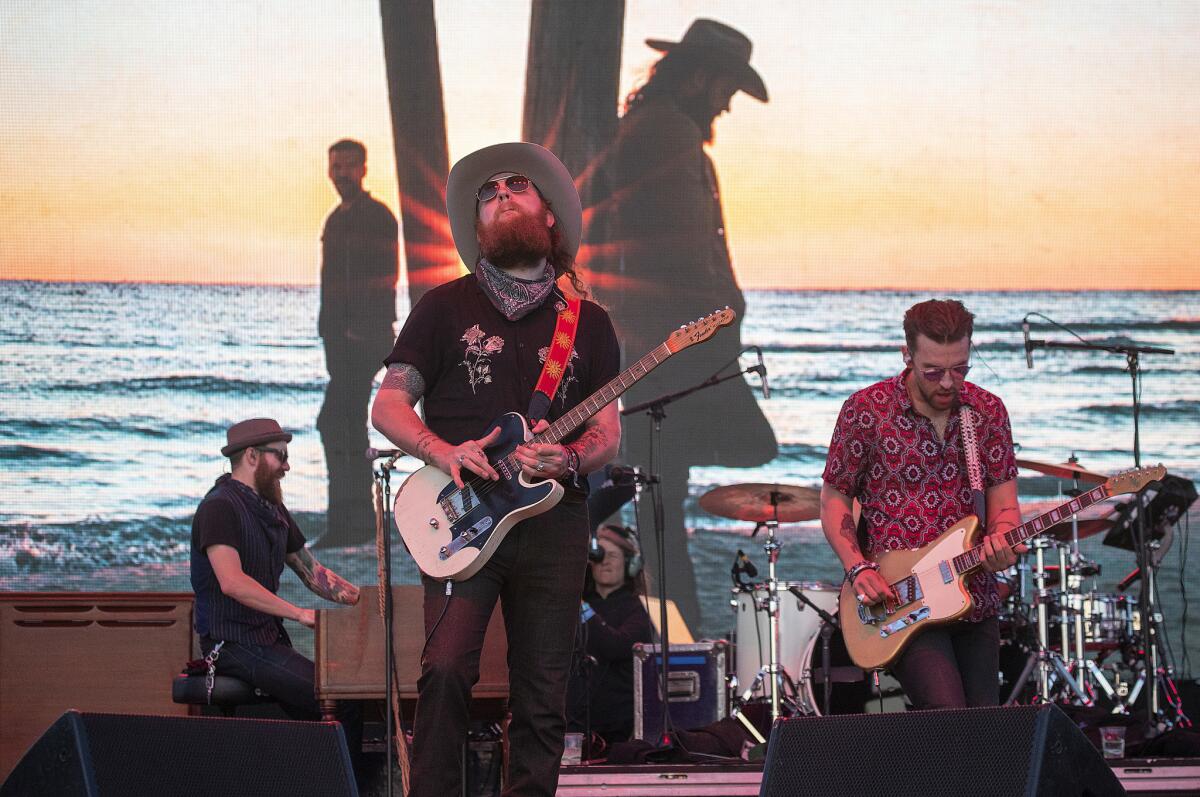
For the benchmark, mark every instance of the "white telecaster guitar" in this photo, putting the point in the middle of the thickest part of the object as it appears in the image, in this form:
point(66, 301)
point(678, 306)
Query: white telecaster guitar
point(451, 533)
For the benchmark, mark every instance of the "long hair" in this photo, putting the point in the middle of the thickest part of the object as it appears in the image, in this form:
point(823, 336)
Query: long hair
point(667, 79)
point(562, 258)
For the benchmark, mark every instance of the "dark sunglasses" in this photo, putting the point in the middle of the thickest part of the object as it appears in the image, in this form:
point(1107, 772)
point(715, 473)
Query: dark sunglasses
point(516, 183)
point(936, 374)
point(283, 456)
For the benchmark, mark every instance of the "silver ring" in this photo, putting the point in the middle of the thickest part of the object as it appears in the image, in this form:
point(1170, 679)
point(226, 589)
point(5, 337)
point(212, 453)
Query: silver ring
point(461, 457)
point(539, 467)
point(861, 597)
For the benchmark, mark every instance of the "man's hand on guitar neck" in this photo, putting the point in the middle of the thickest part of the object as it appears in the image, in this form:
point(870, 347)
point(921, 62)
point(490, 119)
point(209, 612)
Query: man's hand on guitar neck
point(541, 460)
point(998, 554)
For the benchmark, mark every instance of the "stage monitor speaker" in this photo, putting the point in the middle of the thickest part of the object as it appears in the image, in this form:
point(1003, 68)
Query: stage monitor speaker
point(1009, 750)
point(97, 755)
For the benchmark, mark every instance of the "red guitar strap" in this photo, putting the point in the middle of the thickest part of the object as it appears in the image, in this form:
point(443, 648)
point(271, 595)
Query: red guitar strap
point(557, 359)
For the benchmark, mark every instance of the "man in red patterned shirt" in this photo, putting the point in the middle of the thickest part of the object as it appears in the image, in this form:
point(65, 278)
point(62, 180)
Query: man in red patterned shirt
point(898, 448)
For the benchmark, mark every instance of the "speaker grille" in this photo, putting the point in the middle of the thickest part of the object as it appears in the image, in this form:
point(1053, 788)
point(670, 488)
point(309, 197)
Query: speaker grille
point(997, 751)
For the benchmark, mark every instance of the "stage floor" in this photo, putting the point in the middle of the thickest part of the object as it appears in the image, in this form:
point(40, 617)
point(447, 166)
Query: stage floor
point(1147, 777)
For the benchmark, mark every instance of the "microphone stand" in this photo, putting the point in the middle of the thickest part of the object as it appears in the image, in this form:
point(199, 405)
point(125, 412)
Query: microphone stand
point(1147, 600)
point(383, 477)
point(828, 624)
point(655, 408)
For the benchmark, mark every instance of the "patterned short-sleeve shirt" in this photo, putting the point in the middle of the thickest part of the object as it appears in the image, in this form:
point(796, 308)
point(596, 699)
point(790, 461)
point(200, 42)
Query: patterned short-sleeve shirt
point(912, 484)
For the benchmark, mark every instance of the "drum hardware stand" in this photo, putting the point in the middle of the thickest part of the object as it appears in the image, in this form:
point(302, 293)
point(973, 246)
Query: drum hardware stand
point(1046, 661)
point(828, 624)
point(1151, 616)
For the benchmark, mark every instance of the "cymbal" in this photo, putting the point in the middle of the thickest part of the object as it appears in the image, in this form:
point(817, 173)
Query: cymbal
point(753, 502)
point(1064, 470)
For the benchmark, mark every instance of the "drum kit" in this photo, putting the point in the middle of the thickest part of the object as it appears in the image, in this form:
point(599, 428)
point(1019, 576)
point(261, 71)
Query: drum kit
point(1062, 640)
point(787, 649)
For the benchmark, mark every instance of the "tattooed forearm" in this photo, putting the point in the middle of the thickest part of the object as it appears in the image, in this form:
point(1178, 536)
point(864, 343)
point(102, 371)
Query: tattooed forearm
point(425, 442)
point(406, 378)
point(321, 580)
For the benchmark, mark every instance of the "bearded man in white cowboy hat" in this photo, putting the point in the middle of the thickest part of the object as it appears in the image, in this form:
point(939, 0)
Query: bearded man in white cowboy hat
point(673, 260)
point(471, 350)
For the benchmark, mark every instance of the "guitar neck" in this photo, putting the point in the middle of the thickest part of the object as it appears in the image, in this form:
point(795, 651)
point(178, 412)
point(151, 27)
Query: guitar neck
point(969, 560)
point(605, 395)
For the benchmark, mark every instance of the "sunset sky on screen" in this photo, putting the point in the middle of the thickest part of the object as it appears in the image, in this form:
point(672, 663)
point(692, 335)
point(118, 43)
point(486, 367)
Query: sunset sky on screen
point(935, 144)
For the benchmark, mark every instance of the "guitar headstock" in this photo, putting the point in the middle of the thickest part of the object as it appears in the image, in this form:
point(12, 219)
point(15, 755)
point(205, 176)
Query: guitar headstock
point(1130, 481)
point(700, 330)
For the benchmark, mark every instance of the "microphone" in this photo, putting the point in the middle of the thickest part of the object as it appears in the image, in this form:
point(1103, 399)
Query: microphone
point(761, 370)
point(624, 475)
point(595, 552)
point(1028, 348)
point(373, 454)
point(743, 563)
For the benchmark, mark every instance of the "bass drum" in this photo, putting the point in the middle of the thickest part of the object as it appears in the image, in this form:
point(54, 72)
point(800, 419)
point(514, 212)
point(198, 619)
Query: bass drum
point(850, 688)
point(798, 624)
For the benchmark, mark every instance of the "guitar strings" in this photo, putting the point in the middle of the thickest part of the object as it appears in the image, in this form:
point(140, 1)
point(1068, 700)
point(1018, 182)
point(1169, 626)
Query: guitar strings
point(481, 487)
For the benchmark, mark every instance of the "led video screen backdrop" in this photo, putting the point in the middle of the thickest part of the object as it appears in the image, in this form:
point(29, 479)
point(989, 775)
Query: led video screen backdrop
point(165, 188)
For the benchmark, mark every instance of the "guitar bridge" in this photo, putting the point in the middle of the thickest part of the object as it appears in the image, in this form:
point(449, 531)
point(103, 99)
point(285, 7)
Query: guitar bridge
point(907, 589)
point(464, 538)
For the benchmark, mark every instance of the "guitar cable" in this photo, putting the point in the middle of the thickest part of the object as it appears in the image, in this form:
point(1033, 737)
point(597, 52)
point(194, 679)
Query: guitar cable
point(438, 621)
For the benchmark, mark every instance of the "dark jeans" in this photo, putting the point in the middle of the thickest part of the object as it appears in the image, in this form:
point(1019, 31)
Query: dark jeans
point(537, 573)
point(287, 676)
point(952, 666)
point(342, 422)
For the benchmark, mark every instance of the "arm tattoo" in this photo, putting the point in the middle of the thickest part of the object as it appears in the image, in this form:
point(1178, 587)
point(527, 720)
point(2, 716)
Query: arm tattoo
point(849, 532)
point(406, 378)
point(592, 440)
point(320, 579)
point(425, 441)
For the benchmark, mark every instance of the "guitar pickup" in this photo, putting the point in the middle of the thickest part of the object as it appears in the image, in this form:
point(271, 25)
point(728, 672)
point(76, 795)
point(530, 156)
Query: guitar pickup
point(904, 622)
point(907, 589)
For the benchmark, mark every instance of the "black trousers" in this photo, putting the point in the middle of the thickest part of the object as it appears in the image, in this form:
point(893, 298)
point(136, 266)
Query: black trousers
point(537, 574)
point(342, 423)
point(952, 666)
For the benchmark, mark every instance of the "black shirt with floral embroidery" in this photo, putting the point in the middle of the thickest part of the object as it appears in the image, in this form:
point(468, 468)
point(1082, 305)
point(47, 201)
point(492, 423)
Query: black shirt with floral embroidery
point(478, 365)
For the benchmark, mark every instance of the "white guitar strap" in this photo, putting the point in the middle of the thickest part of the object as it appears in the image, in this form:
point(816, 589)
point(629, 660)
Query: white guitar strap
point(970, 444)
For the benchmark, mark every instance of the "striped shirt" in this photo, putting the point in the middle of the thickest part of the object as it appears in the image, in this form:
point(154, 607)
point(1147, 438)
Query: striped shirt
point(263, 534)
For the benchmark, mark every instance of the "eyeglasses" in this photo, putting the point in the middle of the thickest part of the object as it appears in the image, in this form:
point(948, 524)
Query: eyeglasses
point(936, 374)
point(516, 183)
point(283, 455)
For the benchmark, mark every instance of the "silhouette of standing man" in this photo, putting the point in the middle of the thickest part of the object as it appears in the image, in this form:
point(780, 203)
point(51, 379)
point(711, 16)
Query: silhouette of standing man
point(358, 309)
point(672, 266)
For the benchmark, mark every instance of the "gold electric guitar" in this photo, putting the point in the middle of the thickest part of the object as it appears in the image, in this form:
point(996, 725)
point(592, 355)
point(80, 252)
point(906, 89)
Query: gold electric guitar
point(931, 581)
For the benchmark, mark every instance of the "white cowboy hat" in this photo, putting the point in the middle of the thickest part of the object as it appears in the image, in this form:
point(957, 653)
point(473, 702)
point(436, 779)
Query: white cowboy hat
point(537, 163)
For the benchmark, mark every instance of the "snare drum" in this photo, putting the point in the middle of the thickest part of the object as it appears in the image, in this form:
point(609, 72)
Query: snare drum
point(798, 624)
point(1107, 619)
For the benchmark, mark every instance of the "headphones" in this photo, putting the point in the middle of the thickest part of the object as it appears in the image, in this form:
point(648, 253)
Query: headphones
point(633, 561)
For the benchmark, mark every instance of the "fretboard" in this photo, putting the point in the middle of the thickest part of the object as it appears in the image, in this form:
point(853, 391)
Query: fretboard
point(605, 395)
point(969, 560)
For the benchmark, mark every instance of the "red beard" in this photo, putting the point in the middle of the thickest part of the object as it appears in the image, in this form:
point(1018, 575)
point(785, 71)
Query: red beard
point(266, 481)
point(516, 240)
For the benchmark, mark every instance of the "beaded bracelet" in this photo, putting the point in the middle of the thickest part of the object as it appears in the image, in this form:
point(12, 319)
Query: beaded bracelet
point(858, 567)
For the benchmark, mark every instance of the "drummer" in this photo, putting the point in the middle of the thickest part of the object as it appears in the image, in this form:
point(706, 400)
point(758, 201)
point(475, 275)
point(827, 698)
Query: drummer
point(900, 447)
point(612, 619)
